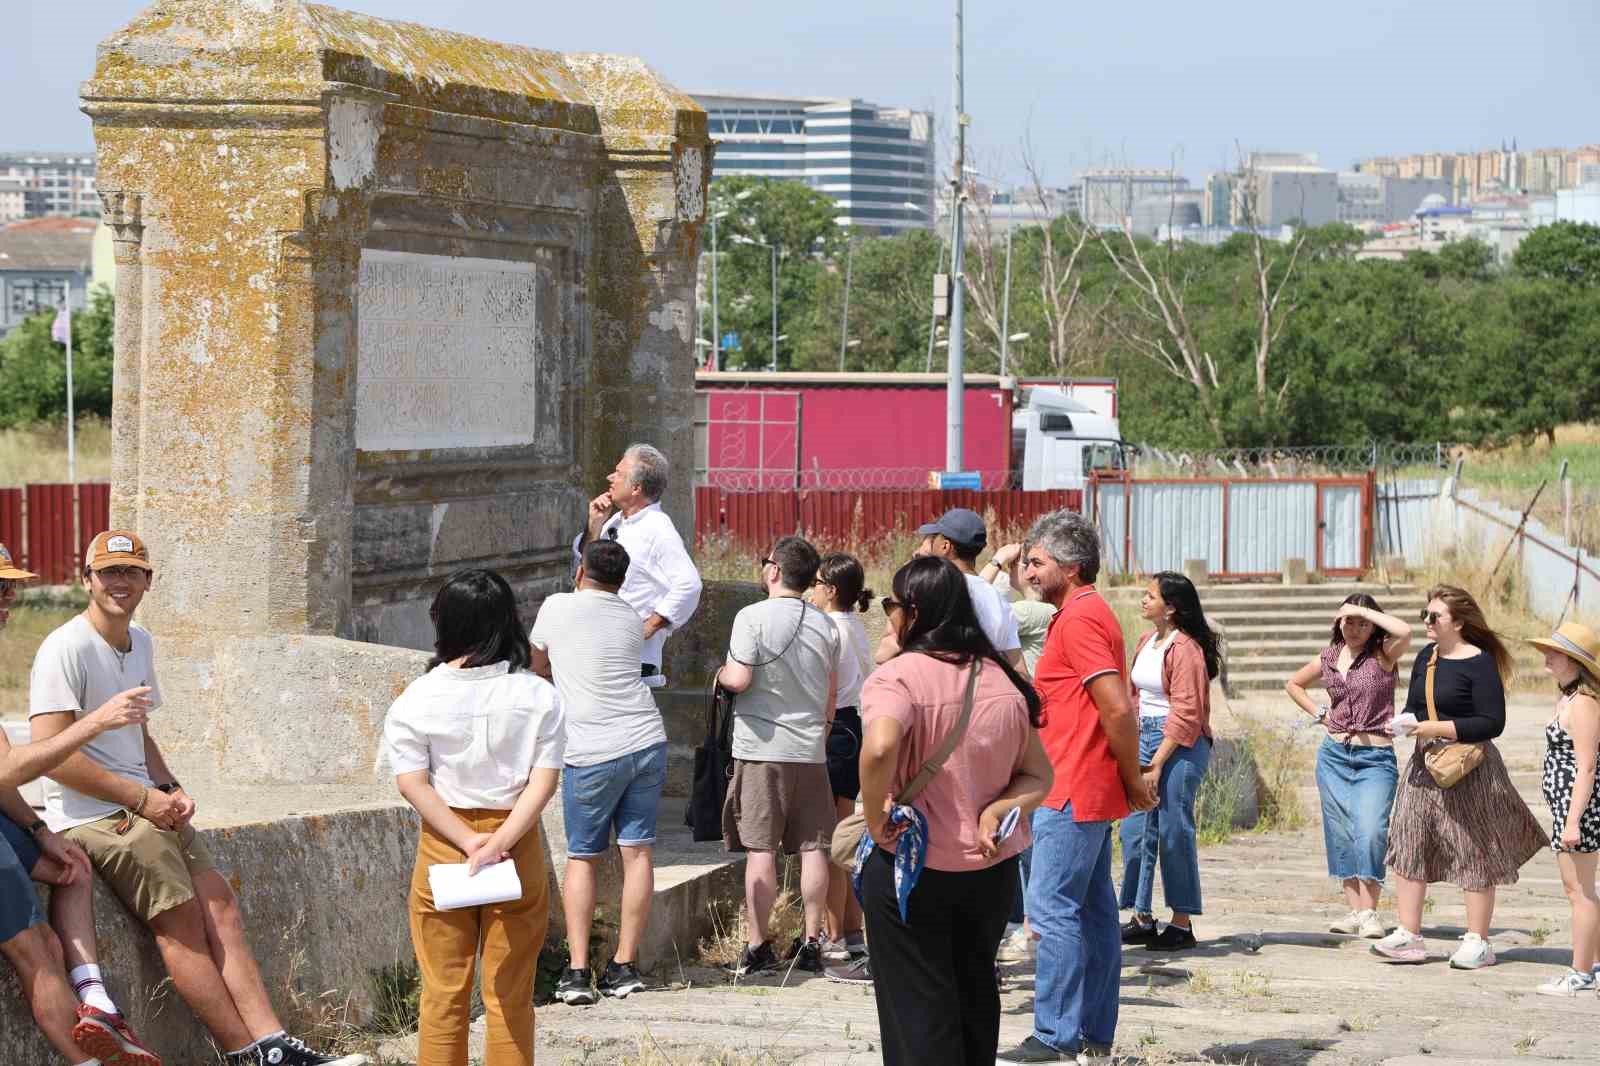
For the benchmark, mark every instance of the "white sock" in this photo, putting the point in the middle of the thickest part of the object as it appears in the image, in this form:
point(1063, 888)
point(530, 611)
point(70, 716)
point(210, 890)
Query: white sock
point(89, 1062)
point(91, 988)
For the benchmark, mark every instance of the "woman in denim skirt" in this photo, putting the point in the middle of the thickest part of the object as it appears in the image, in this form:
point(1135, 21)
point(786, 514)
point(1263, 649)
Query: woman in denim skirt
point(1356, 770)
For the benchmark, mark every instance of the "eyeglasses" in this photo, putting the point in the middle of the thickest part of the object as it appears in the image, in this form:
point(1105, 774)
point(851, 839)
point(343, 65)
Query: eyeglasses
point(120, 573)
point(1430, 617)
point(890, 604)
point(7, 586)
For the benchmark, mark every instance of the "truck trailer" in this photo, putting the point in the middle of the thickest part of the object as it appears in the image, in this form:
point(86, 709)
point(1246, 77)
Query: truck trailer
point(790, 430)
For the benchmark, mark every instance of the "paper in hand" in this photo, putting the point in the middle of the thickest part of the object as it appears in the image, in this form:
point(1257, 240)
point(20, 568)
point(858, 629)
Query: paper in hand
point(453, 889)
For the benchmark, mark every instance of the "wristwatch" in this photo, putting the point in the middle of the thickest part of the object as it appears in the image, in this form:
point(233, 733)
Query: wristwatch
point(169, 788)
point(36, 825)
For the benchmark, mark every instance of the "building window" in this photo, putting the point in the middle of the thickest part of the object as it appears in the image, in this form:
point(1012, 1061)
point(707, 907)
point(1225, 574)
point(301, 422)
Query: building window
point(34, 294)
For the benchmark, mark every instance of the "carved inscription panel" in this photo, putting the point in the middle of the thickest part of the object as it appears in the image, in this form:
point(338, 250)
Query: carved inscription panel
point(447, 353)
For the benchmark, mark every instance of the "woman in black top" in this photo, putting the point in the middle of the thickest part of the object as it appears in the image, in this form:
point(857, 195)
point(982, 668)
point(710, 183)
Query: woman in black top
point(1477, 834)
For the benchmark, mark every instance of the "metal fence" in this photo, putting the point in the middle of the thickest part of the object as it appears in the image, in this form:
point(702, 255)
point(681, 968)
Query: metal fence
point(1275, 462)
point(1241, 527)
point(38, 525)
point(756, 519)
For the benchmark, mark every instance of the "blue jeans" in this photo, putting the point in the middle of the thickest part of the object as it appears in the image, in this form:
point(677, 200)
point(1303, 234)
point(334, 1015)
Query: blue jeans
point(1019, 907)
point(623, 793)
point(1166, 833)
point(1072, 905)
point(1357, 786)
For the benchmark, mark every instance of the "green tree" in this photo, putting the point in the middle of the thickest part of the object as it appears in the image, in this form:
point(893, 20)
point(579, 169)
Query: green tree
point(799, 222)
point(1561, 251)
point(33, 371)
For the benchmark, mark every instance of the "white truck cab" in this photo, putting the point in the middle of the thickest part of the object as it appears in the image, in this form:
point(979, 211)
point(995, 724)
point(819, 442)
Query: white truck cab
point(1058, 442)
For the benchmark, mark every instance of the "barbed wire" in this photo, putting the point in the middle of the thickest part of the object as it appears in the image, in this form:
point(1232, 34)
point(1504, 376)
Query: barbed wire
point(1145, 459)
point(909, 478)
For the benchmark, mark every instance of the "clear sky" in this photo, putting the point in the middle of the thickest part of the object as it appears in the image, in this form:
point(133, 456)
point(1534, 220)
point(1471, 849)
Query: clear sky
point(1090, 83)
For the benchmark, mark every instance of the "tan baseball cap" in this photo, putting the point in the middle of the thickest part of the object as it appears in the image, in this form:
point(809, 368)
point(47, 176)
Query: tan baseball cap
point(117, 547)
point(9, 570)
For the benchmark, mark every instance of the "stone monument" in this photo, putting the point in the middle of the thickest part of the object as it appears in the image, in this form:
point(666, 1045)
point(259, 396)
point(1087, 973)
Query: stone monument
point(390, 302)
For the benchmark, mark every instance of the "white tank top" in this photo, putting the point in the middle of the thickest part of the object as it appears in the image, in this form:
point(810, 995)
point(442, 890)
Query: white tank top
point(1146, 677)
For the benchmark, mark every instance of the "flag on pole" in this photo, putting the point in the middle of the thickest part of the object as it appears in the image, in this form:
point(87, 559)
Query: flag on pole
point(61, 328)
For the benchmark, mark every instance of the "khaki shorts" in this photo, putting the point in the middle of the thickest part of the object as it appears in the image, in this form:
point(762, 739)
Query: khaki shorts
point(151, 870)
point(778, 806)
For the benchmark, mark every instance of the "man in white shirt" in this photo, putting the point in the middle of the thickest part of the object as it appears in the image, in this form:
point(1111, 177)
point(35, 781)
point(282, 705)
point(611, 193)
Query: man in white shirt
point(959, 535)
point(662, 586)
point(117, 800)
point(616, 760)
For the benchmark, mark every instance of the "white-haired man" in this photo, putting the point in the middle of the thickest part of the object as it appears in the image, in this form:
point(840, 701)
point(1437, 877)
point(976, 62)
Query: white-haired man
point(662, 584)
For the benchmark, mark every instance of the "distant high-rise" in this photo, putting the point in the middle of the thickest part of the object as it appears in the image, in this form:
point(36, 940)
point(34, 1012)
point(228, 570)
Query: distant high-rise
point(1105, 197)
point(1491, 171)
point(877, 163)
point(51, 183)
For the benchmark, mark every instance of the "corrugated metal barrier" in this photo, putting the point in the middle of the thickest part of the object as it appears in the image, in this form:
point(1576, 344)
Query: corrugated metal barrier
point(758, 518)
point(36, 524)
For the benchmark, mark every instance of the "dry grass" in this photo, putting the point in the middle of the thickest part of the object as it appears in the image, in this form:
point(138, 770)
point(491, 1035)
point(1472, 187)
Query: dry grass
point(39, 453)
point(1504, 599)
point(729, 937)
point(31, 622)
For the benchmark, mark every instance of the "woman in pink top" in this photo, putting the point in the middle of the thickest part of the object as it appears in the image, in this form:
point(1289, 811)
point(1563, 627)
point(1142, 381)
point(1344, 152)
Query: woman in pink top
point(933, 967)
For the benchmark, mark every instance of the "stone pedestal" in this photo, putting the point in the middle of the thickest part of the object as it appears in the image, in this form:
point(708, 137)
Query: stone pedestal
point(390, 302)
point(1197, 571)
point(1294, 572)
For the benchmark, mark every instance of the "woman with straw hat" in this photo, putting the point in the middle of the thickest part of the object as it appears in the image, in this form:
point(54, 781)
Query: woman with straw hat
point(1572, 745)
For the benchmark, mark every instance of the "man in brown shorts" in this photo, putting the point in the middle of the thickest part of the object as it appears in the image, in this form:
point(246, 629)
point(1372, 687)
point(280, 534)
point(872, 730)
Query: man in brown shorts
point(783, 662)
point(118, 801)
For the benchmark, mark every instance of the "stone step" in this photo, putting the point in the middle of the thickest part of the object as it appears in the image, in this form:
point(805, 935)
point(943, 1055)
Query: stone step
point(1332, 591)
point(1275, 617)
point(1303, 631)
point(1302, 646)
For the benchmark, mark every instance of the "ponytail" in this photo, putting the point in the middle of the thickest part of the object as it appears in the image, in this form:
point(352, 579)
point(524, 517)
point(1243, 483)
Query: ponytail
point(845, 575)
point(864, 600)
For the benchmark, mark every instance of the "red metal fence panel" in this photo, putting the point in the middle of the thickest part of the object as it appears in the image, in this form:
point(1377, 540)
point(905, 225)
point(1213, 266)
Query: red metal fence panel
point(50, 553)
point(858, 515)
point(94, 513)
point(11, 534)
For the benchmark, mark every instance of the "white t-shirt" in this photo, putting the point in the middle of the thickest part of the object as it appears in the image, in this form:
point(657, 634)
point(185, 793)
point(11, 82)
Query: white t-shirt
point(794, 650)
point(479, 733)
point(76, 670)
point(855, 659)
point(594, 640)
point(1146, 677)
point(994, 614)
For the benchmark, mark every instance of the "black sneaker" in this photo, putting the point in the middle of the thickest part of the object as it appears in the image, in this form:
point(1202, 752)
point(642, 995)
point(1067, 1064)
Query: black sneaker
point(620, 979)
point(1171, 938)
point(1136, 932)
point(755, 960)
point(1034, 1050)
point(858, 972)
point(806, 954)
point(285, 1050)
point(573, 989)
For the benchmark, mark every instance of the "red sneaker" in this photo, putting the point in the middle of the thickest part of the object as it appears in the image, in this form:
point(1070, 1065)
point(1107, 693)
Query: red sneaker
point(108, 1038)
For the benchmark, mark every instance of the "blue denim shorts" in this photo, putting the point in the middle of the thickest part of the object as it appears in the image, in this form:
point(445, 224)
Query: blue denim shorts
point(19, 903)
point(621, 793)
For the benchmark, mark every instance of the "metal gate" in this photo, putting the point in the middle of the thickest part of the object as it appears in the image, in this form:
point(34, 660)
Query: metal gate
point(1241, 527)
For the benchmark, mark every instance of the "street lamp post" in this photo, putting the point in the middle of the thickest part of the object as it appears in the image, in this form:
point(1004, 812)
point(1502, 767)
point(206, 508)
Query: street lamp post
point(844, 317)
point(716, 324)
point(773, 248)
point(1005, 302)
point(955, 387)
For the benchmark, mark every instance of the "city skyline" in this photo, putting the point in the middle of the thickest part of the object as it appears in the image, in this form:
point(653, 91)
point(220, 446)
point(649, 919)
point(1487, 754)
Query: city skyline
point(1090, 88)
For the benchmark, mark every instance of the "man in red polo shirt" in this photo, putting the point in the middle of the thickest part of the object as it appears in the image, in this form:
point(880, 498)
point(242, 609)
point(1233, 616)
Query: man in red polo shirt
point(1092, 738)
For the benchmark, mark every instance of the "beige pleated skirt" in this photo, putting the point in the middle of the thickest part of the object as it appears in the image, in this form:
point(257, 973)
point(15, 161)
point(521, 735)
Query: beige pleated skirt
point(1474, 836)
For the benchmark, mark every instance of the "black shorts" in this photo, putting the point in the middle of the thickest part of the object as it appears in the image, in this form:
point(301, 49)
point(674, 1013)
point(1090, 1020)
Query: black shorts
point(844, 753)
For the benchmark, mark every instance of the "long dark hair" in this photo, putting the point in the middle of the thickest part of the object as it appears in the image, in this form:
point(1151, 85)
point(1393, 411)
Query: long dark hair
point(475, 615)
point(1179, 593)
point(845, 574)
point(1474, 626)
point(945, 625)
point(1374, 643)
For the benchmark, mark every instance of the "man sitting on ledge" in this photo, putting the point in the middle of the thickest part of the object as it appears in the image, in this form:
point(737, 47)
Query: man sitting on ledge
point(118, 801)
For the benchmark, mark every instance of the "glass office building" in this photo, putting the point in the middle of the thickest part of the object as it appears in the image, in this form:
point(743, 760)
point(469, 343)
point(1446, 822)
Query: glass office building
point(877, 163)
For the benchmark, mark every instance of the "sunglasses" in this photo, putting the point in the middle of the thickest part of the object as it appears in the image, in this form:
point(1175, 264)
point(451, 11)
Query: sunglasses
point(1430, 617)
point(7, 586)
point(890, 604)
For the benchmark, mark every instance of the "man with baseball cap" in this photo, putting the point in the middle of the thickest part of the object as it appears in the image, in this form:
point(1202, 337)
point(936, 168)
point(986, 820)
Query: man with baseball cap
point(959, 535)
point(118, 800)
point(93, 1030)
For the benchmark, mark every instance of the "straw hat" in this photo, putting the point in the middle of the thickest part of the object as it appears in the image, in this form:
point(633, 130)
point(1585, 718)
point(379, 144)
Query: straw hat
point(1577, 642)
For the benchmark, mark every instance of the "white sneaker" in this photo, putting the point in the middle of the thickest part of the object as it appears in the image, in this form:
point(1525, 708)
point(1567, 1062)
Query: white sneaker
point(1571, 983)
point(1350, 924)
point(1473, 954)
point(1371, 926)
point(1401, 946)
point(835, 951)
point(1017, 947)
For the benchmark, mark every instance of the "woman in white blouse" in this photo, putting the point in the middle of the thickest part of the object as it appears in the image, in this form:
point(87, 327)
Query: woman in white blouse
point(476, 745)
point(839, 591)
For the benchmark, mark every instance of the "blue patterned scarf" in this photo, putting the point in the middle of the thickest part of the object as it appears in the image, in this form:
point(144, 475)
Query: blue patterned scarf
point(910, 854)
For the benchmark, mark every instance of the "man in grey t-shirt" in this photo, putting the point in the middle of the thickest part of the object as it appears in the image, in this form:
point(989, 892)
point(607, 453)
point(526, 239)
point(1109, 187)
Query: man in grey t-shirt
point(783, 663)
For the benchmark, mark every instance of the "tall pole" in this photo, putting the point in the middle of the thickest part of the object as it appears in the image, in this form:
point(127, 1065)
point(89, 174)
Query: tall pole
point(716, 324)
point(933, 319)
point(844, 318)
point(1005, 303)
point(774, 249)
point(955, 388)
point(72, 434)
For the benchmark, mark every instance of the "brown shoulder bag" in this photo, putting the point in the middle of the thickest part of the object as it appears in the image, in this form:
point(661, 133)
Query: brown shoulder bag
point(1448, 761)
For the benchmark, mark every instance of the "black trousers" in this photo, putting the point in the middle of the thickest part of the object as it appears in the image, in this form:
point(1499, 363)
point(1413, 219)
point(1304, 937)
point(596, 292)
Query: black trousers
point(934, 973)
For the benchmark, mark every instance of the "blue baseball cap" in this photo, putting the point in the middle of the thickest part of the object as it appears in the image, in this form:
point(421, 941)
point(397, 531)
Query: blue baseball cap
point(962, 526)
